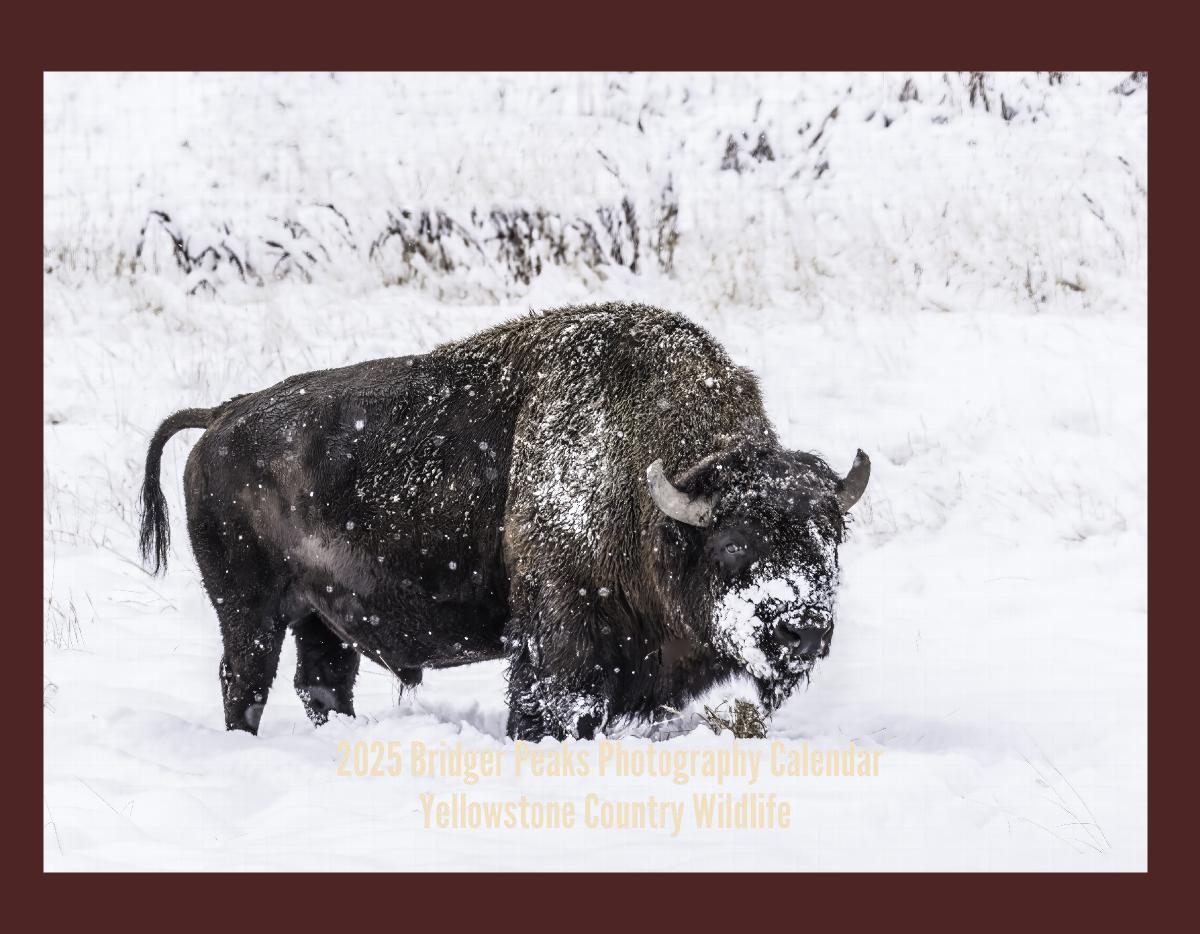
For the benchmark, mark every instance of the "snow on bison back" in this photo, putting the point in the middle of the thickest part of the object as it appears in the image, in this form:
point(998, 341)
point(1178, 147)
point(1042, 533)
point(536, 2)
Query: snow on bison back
point(594, 493)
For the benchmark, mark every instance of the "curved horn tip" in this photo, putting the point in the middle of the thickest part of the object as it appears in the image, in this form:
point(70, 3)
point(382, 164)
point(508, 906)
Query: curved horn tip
point(673, 502)
point(855, 482)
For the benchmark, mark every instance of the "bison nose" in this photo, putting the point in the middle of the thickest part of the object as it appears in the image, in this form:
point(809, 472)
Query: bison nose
point(804, 640)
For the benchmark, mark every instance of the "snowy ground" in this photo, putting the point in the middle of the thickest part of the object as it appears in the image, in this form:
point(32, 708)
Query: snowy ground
point(960, 292)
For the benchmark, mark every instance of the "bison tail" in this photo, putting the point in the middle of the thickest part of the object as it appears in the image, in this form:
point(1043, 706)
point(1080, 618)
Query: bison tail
point(155, 537)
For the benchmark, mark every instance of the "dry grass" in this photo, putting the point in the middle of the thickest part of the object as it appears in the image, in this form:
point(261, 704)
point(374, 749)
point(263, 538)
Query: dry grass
point(745, 720)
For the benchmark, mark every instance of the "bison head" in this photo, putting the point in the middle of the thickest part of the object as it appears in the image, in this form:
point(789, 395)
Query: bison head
point(765, 525)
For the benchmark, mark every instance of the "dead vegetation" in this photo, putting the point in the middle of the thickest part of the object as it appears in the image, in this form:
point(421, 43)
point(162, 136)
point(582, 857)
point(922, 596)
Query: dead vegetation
point(745, 720)
point(413, 245)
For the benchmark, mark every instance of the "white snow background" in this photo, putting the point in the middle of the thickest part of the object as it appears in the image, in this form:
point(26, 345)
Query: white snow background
point(948, 271)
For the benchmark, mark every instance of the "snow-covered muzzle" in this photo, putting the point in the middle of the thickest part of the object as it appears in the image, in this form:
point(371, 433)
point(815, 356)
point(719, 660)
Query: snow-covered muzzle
point(776, 618)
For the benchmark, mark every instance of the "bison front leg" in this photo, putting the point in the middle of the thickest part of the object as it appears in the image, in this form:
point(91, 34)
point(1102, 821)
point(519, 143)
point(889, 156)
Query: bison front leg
point(551, 700)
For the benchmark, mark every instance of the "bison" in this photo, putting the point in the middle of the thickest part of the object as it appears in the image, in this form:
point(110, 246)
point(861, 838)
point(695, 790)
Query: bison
point(593, 493)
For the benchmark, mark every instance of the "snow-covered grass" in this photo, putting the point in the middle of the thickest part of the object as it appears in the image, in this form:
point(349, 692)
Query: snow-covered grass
point(960, 294)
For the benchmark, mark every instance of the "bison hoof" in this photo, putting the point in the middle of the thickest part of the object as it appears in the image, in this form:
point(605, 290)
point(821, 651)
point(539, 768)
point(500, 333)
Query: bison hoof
point(251, 718)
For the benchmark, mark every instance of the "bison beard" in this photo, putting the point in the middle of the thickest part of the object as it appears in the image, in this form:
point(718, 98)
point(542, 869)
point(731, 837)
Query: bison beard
point(493, 499)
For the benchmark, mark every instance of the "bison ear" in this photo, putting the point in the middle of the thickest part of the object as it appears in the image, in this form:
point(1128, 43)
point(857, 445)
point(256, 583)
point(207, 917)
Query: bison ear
point(852, 487)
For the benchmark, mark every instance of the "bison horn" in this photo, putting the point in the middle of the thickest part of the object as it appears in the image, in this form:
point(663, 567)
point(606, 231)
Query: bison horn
point(855, 484)
point(674, 502)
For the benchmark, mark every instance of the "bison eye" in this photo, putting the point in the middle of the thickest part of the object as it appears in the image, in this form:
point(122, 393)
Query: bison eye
point(733, 549)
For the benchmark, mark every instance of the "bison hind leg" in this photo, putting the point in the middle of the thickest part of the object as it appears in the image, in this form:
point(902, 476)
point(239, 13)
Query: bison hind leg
point(247, 669)
point(247, 606)
point(325, 670)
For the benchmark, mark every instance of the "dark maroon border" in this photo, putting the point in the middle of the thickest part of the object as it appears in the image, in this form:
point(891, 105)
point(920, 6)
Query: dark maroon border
point(576, 37)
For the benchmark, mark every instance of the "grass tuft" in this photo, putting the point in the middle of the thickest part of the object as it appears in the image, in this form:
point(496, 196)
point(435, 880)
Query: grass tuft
point(746, 720)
